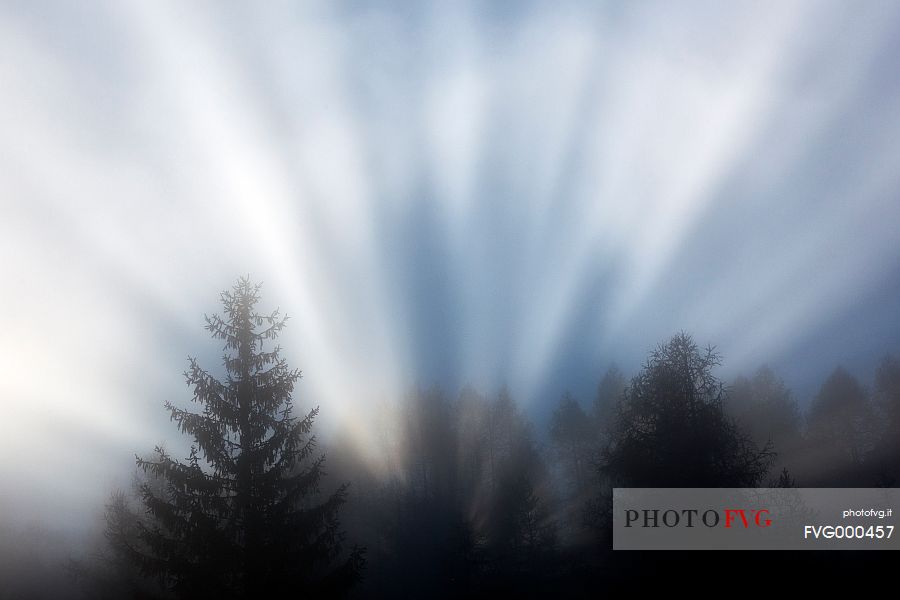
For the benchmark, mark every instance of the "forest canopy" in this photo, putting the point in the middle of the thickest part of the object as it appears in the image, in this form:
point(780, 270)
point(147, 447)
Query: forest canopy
point(480, 499)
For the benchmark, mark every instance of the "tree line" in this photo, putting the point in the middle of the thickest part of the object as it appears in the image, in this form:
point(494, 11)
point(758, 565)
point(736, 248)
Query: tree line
point(476, 499)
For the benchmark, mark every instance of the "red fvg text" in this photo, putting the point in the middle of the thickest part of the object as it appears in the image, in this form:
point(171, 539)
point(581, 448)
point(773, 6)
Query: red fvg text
point(692, 517)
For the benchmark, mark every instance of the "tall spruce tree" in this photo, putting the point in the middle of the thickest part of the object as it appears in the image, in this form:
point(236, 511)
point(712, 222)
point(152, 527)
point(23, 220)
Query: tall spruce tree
point(242, 515)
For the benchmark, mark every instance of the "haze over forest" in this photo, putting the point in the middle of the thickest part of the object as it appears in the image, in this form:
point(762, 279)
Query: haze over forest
point(461, 198)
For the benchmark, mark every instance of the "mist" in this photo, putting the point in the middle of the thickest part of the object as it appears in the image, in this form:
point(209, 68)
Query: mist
point(465, 196)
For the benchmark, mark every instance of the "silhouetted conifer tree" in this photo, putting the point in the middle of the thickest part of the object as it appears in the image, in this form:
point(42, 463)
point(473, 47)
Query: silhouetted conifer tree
point(767, 412)
point(241, 516)
point(886, 455)
point(840, 429)
point(111, 572)
point(672, 431)
point(572, 436)
point(609, 392)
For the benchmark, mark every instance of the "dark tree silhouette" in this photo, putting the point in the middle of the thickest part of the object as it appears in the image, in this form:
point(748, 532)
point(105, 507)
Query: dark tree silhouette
point(113, 572)
point(840, 427)
point(240, 518)
point(886, 455)
point(609, 392)
point(520, 535)
point(507, 435)
point(117, 576)
point(671, 429)
point(468, 511)
point(765, 409)
point(572, 436)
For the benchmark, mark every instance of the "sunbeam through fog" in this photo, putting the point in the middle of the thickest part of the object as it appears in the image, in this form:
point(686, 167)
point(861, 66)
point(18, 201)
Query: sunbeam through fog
point(458, 194)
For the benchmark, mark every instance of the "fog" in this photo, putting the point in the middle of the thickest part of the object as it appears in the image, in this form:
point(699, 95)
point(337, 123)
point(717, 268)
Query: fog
point(453, 194)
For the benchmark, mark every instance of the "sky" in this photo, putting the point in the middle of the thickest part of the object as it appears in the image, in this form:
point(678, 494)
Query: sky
point(491, 193)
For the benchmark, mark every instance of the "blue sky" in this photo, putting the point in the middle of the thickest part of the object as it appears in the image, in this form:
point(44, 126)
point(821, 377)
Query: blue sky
point(448, 193)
